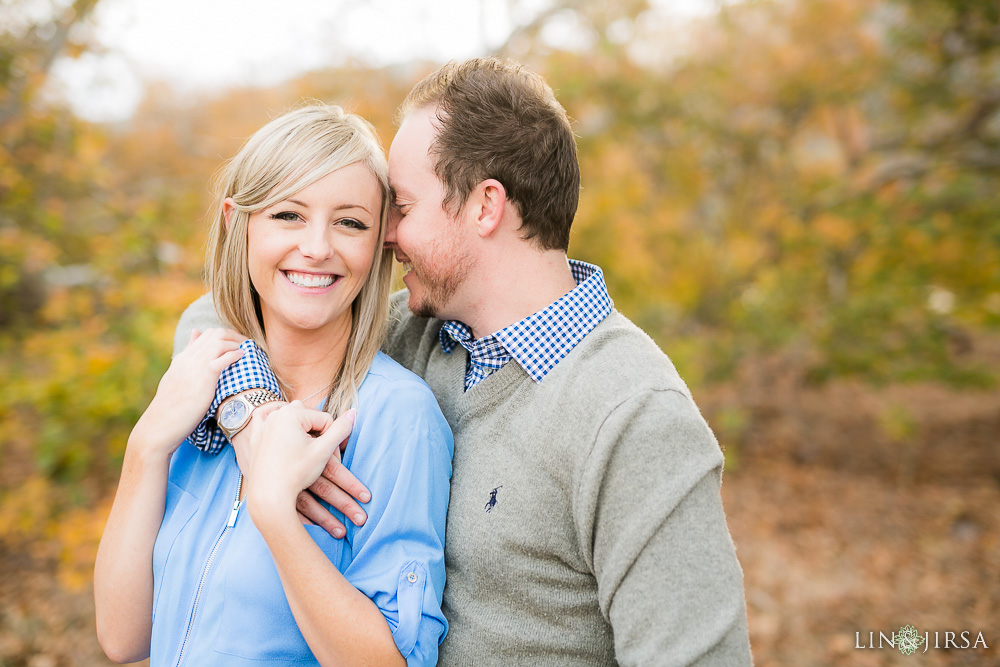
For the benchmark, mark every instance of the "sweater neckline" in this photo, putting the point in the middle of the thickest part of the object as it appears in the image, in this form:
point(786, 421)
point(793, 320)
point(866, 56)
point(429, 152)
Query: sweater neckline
point(490, 390)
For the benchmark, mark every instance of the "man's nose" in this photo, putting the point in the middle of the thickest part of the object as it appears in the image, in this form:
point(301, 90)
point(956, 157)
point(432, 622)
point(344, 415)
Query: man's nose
point(390, 228)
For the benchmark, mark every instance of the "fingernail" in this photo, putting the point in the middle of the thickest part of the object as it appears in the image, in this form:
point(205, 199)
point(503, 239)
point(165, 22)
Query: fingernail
point(352, 414)
point(338, 532)
point(364, 496)
point(359, 519)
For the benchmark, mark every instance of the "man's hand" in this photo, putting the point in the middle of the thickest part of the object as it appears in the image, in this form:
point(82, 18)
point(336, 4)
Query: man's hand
point(336, 485)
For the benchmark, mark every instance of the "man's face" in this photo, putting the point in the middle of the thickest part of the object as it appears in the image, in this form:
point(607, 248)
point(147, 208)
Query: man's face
point(426, 239)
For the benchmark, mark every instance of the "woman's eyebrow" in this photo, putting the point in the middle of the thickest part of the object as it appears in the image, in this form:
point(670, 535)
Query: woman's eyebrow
point(341, 207)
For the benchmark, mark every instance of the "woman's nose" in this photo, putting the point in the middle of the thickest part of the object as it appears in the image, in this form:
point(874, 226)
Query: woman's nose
point(316, 243)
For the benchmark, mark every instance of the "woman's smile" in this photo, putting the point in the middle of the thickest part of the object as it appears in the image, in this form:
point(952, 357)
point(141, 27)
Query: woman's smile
point(312, 281)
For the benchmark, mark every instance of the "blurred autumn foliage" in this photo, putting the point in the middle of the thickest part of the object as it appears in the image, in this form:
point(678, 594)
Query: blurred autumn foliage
point(796, 198)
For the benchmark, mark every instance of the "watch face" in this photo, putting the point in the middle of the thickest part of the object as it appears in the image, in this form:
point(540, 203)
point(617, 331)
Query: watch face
point(232, 415)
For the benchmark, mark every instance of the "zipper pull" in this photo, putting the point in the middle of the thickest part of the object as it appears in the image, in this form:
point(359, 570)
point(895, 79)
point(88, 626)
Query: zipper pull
point(236, 503)
point(232, 515)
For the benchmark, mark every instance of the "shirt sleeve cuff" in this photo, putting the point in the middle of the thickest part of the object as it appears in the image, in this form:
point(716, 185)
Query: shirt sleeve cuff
point(252, 371)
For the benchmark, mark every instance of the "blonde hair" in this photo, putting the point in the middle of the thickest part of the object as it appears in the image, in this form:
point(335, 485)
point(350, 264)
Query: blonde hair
point(288, 154)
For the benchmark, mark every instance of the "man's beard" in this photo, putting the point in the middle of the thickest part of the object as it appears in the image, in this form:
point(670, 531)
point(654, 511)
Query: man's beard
point(441, 272)
point(437, 288)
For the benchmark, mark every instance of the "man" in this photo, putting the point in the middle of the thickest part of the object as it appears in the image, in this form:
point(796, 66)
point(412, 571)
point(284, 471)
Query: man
point(585, 523)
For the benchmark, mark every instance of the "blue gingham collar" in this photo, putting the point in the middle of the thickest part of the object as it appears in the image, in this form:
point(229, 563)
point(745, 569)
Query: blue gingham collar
point(543, 339)
point(252, 371)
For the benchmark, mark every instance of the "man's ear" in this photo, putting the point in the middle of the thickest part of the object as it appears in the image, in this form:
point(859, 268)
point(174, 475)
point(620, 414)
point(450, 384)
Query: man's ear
point(228, 206)
point(490, 202)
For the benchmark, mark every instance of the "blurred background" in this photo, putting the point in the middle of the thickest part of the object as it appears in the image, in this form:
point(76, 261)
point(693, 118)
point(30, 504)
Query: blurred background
point(798, 199)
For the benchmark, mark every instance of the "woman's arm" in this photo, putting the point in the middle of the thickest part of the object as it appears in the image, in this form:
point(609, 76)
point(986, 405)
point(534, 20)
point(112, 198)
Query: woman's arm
point(123, 574)
point(341, 625)
point(402, 447)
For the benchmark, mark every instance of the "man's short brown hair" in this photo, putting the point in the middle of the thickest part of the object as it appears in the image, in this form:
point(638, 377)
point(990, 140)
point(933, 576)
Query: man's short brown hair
point(497, 120)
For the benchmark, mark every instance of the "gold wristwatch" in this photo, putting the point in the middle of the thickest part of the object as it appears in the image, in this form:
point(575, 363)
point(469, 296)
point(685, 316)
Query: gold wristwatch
point(235, 412)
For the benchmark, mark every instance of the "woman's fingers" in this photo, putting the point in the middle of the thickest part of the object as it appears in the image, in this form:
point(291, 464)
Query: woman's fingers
point(312, 420)
point(211, 345)
point(338, 485)
point(289, 456)
point(219, 333)
point(257, 418)
point(328, 435)
point(225, 360)
point(264, 411)
point(341, 427)
point(215, 339)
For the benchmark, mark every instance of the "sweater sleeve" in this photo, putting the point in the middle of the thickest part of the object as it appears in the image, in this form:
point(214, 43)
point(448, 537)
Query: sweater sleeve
point(650, 506)
point(199, 315)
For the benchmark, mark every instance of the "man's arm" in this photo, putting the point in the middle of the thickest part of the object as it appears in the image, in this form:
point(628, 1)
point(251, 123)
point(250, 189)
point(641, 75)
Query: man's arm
point(650, 505)
point(199, 315)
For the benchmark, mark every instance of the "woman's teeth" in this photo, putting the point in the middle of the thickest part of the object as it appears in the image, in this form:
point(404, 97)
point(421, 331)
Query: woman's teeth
point(407, 266)
point(309, 279)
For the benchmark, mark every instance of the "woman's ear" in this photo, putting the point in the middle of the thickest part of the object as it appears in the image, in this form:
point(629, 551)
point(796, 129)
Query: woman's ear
point(228, 206)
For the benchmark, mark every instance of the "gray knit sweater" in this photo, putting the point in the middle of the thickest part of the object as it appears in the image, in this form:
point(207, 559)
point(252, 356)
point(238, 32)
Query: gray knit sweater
point(586, 524)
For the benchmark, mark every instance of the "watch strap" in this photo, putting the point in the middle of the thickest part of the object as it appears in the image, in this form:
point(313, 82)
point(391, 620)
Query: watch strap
point(259, 397)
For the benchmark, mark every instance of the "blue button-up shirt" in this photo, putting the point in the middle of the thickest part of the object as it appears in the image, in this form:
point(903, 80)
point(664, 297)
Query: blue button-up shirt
point(216, 593)
point(541, 340)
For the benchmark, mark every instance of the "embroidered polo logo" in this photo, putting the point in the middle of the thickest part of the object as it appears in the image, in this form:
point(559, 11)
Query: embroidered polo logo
point(493, 498)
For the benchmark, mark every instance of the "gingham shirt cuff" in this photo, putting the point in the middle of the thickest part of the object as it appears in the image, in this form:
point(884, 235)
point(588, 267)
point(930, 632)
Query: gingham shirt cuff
point(250, 372)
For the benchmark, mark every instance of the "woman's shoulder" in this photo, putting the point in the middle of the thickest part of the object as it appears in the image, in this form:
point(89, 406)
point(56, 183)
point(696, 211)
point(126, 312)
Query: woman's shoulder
point(392, 398)
point(387, 375)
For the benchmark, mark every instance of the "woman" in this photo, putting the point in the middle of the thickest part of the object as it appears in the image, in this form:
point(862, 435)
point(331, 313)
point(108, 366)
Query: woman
point(184, 574)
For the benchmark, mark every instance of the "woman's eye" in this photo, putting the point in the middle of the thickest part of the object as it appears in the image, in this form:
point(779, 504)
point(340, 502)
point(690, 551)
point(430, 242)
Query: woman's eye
point(290, 216)
point(353, 223)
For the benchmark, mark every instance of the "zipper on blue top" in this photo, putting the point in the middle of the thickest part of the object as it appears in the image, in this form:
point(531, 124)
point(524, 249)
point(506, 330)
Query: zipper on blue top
point(237, 503)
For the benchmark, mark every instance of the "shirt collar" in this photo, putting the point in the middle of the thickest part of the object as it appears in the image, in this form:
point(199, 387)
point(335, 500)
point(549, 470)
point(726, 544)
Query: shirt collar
point(543, 339)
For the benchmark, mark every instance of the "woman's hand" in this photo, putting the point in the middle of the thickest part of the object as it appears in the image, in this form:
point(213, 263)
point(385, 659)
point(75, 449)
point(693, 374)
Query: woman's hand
point(336, 485)
point(286, 454)
point(187, 389)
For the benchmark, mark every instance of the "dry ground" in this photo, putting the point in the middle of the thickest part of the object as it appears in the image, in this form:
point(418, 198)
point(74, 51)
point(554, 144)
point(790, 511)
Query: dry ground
point(853, 509)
